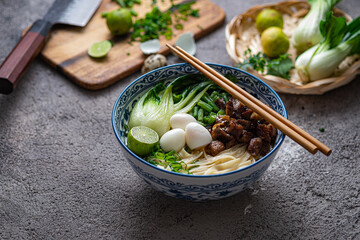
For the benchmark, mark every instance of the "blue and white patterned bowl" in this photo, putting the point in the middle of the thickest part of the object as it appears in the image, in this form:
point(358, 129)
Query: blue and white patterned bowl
point(191, 187)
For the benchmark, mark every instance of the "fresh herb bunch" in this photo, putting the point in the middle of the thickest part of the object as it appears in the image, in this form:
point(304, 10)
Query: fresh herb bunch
point(127, 3)
point(280, 66)
point(156, 23)
point(170, 159)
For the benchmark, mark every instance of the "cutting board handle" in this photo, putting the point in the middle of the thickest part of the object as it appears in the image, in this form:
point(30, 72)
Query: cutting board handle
point(19, 59)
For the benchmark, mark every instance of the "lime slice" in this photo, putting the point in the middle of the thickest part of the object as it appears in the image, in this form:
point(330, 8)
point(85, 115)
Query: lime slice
point(99, 49)
point(141, 140)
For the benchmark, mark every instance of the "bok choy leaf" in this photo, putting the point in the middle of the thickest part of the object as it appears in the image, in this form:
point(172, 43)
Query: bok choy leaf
point(340, 40)
point(307, 33)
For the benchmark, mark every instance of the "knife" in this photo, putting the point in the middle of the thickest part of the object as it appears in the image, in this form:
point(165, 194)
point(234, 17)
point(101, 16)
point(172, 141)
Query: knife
point(70, 12)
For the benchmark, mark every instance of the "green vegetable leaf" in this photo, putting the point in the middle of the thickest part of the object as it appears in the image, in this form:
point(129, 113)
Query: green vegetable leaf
point(352, 35)
point(184, 81)
point(156, 23)
point(332, 29)
point(280, 67)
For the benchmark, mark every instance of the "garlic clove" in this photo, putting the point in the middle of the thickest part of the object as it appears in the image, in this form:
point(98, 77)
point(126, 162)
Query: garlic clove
point(187, 42)
point(150, 47)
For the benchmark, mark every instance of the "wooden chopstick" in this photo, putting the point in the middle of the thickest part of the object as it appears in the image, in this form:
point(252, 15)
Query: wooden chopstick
point(322, 147)
point(283, 124)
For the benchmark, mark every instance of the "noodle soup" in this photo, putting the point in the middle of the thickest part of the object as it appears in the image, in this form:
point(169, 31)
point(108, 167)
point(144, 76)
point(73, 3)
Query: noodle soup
point(197, 128)
point(181, 184)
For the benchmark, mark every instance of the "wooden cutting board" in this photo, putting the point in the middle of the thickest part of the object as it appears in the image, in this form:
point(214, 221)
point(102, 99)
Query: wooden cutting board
point(67, 47)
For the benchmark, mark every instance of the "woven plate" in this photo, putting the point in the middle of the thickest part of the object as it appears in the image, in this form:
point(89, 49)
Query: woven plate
point(241, 34)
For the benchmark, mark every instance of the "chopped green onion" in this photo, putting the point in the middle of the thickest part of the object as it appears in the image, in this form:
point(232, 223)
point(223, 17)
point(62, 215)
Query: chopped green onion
point(205, 106)
point(209, 101)
point(195, 112)
point(214, 96)
point(206, 119)
point(221, 112)
point(225, 97)
point(201, 115)
point(212, 118)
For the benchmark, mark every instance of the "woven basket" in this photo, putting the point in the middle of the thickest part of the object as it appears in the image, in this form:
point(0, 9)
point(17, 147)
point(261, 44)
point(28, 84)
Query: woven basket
point(241, 34)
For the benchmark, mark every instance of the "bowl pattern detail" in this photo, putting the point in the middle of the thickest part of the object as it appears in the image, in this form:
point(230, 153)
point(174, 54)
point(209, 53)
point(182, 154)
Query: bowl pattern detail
point(198, 192)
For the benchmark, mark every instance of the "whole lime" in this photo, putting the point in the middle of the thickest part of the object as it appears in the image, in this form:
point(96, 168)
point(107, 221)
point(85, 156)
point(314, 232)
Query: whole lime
point(274, 42)
point(119, 21)
point(268, 18)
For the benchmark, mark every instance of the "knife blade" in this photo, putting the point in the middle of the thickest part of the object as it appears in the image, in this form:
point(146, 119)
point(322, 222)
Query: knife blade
point(70, 12)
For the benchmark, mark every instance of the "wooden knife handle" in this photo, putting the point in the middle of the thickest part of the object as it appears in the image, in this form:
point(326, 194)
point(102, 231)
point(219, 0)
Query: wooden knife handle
point(19, 59)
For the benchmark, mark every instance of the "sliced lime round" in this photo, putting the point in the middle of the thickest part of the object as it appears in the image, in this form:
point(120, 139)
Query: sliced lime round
point(141, 140)
point(99, 49)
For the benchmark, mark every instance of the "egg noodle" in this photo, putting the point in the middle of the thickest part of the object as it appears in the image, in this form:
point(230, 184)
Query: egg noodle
point(200, 163)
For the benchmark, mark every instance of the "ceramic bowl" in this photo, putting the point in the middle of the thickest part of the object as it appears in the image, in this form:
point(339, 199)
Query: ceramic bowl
point(191, 187)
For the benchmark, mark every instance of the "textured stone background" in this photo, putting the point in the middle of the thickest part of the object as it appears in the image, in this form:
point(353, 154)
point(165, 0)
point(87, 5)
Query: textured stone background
point(62, 175)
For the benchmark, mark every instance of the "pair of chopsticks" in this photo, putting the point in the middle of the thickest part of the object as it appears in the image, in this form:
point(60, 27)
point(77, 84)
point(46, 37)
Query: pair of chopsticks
point(284, 125)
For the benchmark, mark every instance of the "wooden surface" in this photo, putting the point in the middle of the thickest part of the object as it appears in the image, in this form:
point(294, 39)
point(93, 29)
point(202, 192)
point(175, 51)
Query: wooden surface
point(67, 47)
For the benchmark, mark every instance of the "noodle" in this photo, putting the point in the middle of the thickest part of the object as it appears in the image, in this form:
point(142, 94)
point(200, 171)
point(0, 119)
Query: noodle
point(200, 163)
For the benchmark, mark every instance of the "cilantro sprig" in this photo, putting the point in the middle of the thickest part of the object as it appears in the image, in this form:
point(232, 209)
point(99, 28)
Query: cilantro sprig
point(280, 66)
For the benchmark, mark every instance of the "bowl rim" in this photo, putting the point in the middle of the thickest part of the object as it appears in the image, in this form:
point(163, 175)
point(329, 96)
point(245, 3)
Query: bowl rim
point(190, 175)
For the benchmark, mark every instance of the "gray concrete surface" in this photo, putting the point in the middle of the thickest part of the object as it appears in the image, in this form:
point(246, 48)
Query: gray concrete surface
point(63, 176)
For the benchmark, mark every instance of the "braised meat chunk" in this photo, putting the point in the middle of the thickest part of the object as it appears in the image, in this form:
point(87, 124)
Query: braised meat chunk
point(221, 103)
point(214, 148)
point(255, 146)
point(240, 125)
point(235, 129)
point(219, 132)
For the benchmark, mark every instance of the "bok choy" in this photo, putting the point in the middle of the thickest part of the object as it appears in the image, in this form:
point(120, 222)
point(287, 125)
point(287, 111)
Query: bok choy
point(340, 40)
point(307, 33)
point(155, 108)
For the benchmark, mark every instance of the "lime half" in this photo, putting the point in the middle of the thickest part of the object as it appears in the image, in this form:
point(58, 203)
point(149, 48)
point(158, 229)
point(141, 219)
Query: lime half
point(99, 49)
point(141, 140)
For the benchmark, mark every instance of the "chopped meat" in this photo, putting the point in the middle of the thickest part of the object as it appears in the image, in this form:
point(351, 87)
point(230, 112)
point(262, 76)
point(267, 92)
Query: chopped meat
point(209, 128)
point(221, 103)
point(229, 108)
point(255, 116)
point(273, 131)
point(255, 146)
point(222, 119)
point(235, 129)
point(230, 143)
point(240, 125)
point(245, 123)
point(246, 113)
point(264, 131)
point(214, 148)
point(265, 148)
point(246, 137)
point(218, 132)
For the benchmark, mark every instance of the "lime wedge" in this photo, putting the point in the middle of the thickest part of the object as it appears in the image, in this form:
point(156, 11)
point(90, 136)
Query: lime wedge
point(99, 49)
point(141, 140)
